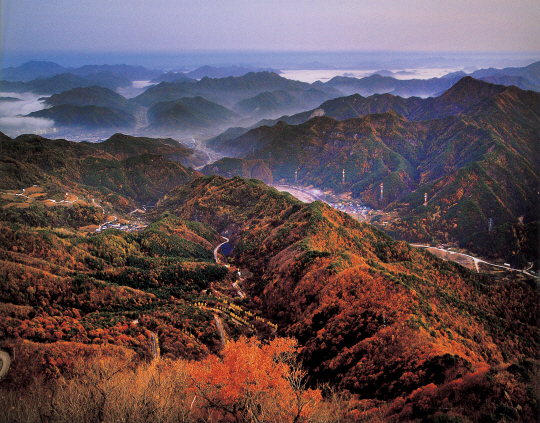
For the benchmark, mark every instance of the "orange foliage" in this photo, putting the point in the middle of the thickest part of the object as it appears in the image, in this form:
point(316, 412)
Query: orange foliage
point(251, 380)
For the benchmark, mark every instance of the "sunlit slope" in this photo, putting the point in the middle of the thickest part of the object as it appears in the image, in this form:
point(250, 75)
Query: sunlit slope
point(373, 315)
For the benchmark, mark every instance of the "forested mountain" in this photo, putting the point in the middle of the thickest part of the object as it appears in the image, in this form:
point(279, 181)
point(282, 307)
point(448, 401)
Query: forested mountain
point(224, 91)
point(188, 114)
point(374, 315)
point(90, 96)
point(379, 319)
point(89, 117)
point(123, 146)
point(473, 150)
point(134, 288)
point(93, 169)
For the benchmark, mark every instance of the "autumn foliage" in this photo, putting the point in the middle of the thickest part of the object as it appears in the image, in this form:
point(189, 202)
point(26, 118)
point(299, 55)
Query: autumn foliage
point(247, 382)
point(253, 382)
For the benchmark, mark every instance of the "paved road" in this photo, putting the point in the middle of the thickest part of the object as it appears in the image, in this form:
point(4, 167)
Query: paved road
point(5, 361)
point(109, 221)
point(475, 259)
point(218, 247)
point(299, 192)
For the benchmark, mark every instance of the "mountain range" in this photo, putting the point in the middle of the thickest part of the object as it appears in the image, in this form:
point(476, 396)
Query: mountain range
point(225, 91)
point(224, 72)
point(527, 78)
point(473, 150)
point(42, 69)
point(188, 113)
point(130, 170)
point(399, 333)
point(260, 98)
point(65, 81)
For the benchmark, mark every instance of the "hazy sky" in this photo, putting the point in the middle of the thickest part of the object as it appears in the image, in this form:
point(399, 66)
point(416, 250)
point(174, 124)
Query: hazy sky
point(179, 25)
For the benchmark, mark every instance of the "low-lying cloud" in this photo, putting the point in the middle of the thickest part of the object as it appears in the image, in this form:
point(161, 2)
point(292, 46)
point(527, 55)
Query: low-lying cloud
point(13, 119)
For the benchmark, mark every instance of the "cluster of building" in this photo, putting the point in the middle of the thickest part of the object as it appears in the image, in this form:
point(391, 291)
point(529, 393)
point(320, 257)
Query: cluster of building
point(130, 227)
point(350, 208)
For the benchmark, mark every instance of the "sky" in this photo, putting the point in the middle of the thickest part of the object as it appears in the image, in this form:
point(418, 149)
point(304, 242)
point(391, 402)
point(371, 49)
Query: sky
point(134, 26)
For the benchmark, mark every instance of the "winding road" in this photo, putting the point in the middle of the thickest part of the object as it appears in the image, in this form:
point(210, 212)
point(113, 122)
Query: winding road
point(218, 247)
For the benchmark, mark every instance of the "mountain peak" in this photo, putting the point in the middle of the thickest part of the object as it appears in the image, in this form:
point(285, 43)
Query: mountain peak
point(471, 87)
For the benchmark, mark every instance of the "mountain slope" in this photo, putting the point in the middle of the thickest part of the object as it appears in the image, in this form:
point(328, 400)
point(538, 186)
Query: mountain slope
point(476, 158)
point(123, 146)
point(188, 114)
point(64, 165)
point(375, 316)
point(276, 103)
point(90, 117)
point(90, 96)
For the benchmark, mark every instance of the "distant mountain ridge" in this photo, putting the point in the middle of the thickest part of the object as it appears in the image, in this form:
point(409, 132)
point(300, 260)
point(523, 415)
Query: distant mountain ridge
point(224, 91)
point(460, 98)
point(224, 72)
point(63, 82)
point(42, 69)
point(527, 78)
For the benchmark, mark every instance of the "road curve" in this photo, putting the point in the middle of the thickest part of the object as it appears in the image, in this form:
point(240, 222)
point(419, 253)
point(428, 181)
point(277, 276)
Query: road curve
point(5, 361)
point(218, 247)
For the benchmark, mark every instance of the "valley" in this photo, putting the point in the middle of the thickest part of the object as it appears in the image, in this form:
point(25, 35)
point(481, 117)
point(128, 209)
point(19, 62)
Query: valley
point(369, 256)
